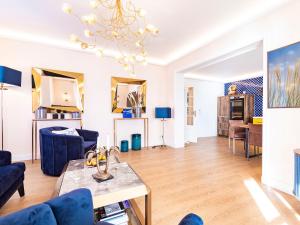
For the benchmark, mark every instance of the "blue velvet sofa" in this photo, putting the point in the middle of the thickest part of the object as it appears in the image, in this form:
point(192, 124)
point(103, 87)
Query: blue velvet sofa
point(74, 208)
point(57, 149)
point(11, 177)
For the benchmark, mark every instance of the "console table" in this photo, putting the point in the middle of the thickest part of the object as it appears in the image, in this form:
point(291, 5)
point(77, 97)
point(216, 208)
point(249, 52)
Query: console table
point(146, 129)
point(35, 132)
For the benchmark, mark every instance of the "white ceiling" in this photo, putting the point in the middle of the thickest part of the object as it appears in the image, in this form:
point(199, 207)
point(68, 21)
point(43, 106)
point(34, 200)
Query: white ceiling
point(247, 63)
point(184, 25)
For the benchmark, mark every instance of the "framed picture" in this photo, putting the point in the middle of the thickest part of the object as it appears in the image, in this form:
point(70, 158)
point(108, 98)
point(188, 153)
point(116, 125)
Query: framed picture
point(284, 77)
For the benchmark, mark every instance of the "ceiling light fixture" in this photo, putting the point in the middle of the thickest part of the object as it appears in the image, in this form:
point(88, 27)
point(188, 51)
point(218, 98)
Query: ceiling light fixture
point(116, 21)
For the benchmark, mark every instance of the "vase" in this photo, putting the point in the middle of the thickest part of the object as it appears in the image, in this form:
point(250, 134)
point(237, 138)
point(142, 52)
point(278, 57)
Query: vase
point(137, 112)
point(136, 144)
point(41, 113)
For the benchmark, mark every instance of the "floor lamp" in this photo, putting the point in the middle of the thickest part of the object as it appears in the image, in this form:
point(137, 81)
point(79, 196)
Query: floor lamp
point(162, 113)
point(8, 77)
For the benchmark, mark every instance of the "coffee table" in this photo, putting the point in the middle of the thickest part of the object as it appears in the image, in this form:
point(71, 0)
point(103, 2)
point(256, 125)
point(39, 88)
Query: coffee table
point(126, 185)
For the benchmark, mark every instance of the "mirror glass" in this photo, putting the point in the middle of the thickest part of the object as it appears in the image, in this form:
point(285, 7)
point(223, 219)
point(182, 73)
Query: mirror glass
point(57, 90)
point(128, 93)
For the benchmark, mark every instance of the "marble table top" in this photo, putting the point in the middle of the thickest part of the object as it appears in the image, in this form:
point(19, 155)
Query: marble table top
point(125, 185)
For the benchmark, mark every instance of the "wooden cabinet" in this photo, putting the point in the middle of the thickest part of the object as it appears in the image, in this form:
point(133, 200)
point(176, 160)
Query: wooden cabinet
point(223, 116)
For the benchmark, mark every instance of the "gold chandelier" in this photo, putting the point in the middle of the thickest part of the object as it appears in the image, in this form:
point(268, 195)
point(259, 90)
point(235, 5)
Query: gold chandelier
point(116, 21)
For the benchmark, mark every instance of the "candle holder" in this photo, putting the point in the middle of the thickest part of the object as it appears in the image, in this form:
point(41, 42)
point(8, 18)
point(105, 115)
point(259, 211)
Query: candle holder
point(102, 173)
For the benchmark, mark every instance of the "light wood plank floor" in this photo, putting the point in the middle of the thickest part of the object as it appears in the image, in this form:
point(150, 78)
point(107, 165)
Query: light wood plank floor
point(205, 179)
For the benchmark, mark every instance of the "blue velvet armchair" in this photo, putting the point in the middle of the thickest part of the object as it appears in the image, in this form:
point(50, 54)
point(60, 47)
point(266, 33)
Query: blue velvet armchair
point(73, 208)
point(11, 177)
point(57, 149)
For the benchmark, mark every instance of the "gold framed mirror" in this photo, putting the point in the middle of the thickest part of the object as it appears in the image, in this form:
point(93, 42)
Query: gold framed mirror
point(57, 90)
point(128, 93)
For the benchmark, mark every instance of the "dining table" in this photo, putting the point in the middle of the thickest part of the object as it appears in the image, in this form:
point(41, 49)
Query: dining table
point(247, 147)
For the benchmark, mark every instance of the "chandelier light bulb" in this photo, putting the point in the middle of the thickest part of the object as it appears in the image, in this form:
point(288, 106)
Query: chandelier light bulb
point(142, 12)
point(152, 29)
point(89, 19)
point(141, 31)
point(74, 38)
point(94, 4)
point(88, 33)
point(99, 52)
point(132, 59)
point(126, 67)
point(145, 62)
point(84, 45)
point(138, 44)
point(115, 34)
point(92, 19)
point(84, 19)
point(118, 57)
point(66, 8)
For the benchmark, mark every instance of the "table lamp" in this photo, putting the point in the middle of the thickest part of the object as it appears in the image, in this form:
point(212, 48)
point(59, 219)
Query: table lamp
point(162, 113)
point(8, 77)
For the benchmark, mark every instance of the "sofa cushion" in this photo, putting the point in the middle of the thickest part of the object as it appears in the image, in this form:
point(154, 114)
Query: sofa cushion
point(8, 176)
point(38, 215)
point(89, 145)
point(73, 208)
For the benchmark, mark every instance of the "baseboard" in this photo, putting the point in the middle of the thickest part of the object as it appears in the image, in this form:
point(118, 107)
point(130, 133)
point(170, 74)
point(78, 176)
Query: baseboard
point(277, 184)
point(21, 157)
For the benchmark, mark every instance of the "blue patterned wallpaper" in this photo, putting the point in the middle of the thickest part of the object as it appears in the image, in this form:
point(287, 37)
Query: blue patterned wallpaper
point(252, 86)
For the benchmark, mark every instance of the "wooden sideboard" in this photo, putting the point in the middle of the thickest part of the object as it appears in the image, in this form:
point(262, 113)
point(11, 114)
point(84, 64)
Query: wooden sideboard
point(223, 115)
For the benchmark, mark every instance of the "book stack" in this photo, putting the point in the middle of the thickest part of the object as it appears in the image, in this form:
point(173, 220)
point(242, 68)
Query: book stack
point(113, 214)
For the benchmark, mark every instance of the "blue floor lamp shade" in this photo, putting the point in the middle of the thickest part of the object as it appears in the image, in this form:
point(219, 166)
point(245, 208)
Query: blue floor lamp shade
point(162, 113)
point(8, 77)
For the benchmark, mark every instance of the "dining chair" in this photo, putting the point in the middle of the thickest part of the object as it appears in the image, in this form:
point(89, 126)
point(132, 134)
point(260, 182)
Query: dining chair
point(255, 136)
point(236, 133)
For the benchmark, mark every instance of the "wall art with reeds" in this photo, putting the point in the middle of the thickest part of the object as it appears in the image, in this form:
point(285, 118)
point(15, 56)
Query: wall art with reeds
point(284, 77)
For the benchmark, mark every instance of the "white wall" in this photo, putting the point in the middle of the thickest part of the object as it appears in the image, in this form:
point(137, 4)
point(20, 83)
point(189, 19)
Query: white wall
point(281, 126)
point(97, 116)
point(205, 102)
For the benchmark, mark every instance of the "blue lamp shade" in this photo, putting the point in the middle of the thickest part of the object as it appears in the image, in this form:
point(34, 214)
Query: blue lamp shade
point(163, 112)
point(10, 76)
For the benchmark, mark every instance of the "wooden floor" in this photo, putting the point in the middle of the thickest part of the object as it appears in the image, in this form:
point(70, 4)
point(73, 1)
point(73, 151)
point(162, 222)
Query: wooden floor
point(205, 178)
